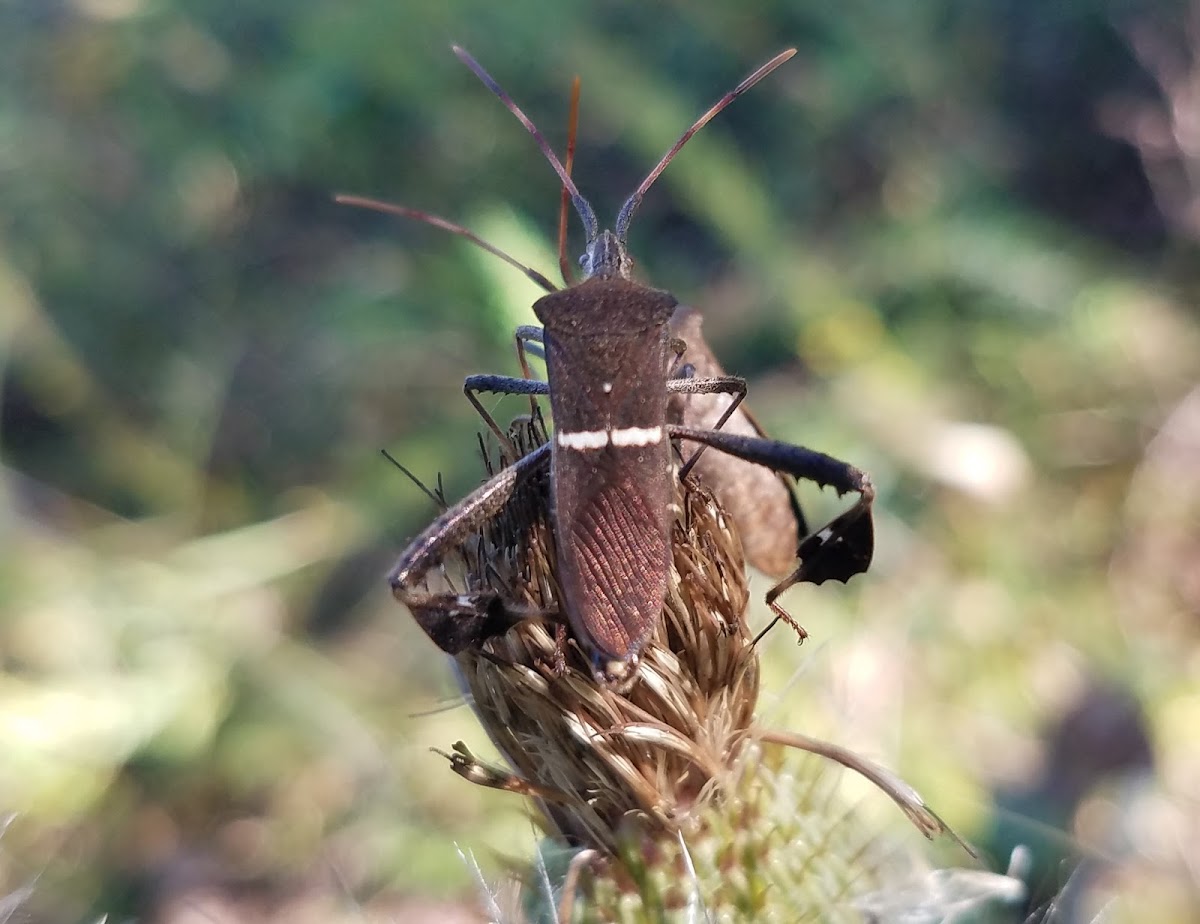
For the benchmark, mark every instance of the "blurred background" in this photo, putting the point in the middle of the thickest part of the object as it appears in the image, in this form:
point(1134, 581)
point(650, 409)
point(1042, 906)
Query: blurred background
point(955, 244)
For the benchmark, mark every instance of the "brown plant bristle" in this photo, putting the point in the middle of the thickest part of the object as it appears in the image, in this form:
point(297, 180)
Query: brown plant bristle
point(603, 758)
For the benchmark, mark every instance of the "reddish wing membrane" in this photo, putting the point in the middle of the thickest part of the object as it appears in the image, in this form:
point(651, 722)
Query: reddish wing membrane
point(614, 547)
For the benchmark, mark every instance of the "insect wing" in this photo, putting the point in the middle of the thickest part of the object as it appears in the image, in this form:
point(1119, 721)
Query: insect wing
point(758, 498)
point(613, 532)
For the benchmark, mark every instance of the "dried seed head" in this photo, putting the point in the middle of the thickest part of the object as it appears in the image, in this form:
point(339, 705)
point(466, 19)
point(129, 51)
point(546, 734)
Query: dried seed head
point(661, 782)
point(653, 745)
point(782, 845)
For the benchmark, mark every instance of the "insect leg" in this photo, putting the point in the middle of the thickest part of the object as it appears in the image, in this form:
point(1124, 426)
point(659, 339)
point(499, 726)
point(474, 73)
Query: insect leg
point(526, 335)
point(677, 346)
point(456, 622)
point(837, 551)
point(687, 384)
point(504, 385)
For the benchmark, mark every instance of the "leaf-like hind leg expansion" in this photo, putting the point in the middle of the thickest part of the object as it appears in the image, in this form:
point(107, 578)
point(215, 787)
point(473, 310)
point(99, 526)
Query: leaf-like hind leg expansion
point(837, 551)
point(456, 622)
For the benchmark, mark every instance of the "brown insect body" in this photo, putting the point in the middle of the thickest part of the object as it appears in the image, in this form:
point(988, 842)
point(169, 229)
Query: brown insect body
point(607, 347)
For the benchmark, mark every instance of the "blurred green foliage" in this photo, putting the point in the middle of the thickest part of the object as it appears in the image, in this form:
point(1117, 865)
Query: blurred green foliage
point(953, 243)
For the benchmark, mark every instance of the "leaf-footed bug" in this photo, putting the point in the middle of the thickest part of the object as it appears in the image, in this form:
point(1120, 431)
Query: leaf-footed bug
point(609, 358)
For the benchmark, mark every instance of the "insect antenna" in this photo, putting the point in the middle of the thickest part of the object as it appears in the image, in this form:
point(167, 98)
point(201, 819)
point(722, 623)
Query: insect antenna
point(564, 264)
point(591, 226)
point(377, 205)
point(631, 204)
